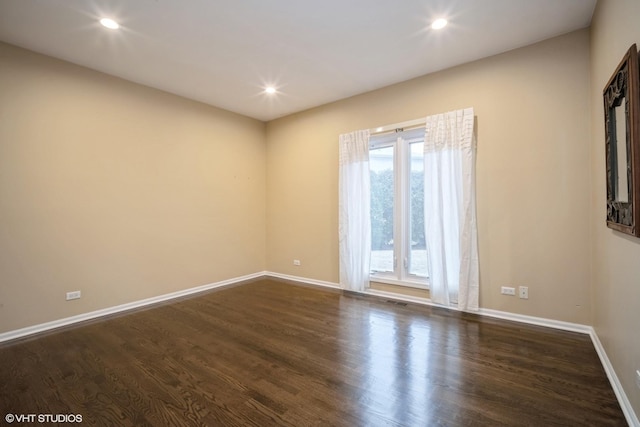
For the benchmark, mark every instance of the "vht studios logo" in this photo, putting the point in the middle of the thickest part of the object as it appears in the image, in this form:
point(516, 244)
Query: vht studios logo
point(43, 418)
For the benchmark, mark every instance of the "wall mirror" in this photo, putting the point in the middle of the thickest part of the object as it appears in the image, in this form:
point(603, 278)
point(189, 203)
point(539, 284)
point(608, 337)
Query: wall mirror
point(622, 132)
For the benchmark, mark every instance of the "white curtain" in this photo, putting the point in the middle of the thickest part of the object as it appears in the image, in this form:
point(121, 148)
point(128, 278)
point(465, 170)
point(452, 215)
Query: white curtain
point(450, 209)
point(354, 211)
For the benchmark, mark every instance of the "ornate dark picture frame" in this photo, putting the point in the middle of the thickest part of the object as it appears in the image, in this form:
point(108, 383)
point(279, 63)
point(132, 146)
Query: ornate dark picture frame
point(622, 132)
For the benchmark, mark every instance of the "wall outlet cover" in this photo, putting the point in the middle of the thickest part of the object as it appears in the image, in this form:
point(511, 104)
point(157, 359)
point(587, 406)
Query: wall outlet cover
point(73, 295)
point(523, 291)
point(506, 290)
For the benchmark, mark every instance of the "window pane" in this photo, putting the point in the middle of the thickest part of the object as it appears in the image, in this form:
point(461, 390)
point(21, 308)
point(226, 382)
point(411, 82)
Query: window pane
point(418, 251)
point(382, 185)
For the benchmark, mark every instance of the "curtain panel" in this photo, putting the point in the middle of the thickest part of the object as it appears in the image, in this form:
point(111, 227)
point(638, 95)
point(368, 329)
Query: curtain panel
point(450, 209)
point(354, 211)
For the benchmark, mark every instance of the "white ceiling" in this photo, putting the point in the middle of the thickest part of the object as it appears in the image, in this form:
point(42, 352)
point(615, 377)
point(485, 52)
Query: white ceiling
point(224, 52)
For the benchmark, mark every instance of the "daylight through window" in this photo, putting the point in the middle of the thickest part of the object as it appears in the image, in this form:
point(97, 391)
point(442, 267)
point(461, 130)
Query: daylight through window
point(398, 249)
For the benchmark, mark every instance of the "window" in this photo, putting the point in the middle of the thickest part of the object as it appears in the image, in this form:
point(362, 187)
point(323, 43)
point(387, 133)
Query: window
point(398, 249)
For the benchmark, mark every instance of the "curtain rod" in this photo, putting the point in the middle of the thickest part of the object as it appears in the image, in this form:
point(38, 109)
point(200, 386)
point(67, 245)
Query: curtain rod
point(398, 127)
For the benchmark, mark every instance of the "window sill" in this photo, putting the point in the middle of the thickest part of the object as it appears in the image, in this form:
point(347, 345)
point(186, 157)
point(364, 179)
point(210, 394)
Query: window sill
point(405, 283)
point(415, 291)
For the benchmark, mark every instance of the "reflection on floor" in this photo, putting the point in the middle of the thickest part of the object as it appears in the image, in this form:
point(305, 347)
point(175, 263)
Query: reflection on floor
point(272, 353)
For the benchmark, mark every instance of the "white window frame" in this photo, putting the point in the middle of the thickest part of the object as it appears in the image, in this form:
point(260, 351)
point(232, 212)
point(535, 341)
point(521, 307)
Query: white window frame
point(400, 140)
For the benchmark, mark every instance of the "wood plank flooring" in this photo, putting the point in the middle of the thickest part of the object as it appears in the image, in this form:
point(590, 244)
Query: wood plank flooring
point(270, 353)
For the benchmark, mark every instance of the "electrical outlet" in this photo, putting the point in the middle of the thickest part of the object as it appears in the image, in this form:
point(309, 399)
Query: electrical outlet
point(296, 262)
point(73, 295)
point(506, 290)
point(524, 292)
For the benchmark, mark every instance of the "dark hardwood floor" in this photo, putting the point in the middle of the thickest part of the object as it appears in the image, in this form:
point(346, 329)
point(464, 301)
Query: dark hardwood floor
point(272, 353)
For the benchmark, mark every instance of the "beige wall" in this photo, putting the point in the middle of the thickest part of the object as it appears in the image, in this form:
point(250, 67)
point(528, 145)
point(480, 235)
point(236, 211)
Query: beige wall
point(616, 257)
point(125, 192)
point(118, 190)
point(532, 107)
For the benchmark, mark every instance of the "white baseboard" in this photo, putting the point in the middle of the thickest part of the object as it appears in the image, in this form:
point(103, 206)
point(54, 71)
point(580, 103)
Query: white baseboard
point(43, 327)
point(627, 409)
point(538, 321)
point(303, 280)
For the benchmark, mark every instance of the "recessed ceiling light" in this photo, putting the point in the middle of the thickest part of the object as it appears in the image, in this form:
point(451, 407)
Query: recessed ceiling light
point(109, 23)
point(439, 23)
point(270, 90)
